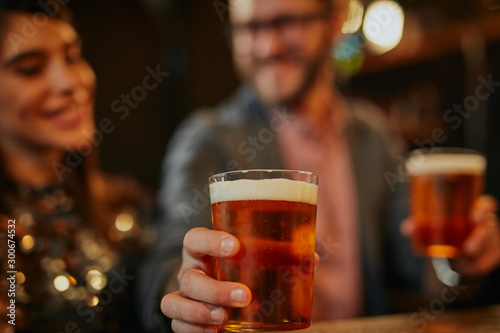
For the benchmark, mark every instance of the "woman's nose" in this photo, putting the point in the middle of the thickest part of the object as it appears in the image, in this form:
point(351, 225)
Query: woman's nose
point(63, 78)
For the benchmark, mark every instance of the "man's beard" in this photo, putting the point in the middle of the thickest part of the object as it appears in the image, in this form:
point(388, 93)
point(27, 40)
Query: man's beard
point(312, 70)
point(311, 74)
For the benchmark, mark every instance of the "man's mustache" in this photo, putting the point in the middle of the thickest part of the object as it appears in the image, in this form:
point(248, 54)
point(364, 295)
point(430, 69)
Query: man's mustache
point(277, 60)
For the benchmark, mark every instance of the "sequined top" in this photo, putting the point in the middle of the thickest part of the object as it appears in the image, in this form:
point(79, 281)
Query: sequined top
point(58, 274)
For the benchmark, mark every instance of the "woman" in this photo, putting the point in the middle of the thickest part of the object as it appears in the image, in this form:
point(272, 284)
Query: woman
point(71, 235)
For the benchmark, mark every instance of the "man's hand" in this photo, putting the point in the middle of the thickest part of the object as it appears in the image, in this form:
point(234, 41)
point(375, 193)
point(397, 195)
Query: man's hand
point(481, 250)
point(480, 254)
point(199, 305)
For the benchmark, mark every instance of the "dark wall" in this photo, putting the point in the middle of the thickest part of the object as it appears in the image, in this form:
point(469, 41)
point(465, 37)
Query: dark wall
point(120, 42)
point(122, 39)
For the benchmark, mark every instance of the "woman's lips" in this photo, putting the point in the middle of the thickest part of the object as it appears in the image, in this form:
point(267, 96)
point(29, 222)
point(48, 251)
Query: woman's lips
point(67, 116)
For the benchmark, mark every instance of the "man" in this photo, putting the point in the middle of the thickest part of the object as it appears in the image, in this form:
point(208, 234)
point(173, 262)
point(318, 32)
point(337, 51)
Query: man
point(287, 115)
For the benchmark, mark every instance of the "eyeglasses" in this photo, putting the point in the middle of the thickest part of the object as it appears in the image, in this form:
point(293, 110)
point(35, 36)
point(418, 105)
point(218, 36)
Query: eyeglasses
point(289, 27)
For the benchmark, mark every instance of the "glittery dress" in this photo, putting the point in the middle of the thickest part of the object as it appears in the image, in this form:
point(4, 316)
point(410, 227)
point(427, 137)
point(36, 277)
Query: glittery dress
point(62, 274)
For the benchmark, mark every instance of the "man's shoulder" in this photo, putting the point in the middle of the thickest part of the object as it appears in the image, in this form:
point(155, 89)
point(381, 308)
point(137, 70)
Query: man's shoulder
point(365, 114)
point(371, 124)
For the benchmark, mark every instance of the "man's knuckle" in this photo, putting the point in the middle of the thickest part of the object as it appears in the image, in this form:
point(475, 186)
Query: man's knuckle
point(217, 297)
point(201, 317)
point(188, 239)
point(165, 305)
point(177, 309)
point(175, 325)
point(185, 280)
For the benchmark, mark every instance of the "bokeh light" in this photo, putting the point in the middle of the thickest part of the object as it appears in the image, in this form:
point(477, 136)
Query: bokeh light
point(124, 222)
point(383, 25)
point(354, 17)
point(61, 283)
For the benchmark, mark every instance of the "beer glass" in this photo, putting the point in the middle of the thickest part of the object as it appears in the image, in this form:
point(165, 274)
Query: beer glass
point(273, 215)
point(444, 183)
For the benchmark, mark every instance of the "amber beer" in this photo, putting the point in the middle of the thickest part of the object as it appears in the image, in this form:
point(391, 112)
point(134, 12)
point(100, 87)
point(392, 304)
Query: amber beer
point(443, 187)
point(274, 220)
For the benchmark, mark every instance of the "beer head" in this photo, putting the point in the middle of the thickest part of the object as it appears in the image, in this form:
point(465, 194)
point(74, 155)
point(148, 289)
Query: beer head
point(446, 163)
point(264, 189)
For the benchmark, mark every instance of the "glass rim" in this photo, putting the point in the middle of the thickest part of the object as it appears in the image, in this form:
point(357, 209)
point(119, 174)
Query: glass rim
point(449, 160)
point(264, 171)
point(445, 150)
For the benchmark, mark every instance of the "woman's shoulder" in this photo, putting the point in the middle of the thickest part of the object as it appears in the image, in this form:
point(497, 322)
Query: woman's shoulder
point(120, 190)
point(125, 207)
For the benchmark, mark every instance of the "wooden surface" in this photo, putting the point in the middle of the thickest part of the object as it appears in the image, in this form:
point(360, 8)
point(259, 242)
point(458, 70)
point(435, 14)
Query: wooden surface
point(429, 320)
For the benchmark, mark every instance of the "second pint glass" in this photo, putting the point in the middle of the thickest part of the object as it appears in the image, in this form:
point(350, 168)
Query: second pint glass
point(444, 183)
point(273, 215)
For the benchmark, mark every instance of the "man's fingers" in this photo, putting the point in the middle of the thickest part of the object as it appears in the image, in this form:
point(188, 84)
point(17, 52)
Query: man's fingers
point(199, 305)
point(177, 307)
point(197, 285)
point(482, 248)
point(477, 267)
point(484, 205)
point(486, 226)
point(202, 242)
point(481, 236)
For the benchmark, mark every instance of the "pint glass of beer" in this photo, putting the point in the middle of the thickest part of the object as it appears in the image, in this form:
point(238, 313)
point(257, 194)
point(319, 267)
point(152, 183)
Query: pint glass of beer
point(444, 183)
point(273, 215)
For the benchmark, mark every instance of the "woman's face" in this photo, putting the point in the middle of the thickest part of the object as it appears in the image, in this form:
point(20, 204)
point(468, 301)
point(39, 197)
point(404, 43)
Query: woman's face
point(46, 87)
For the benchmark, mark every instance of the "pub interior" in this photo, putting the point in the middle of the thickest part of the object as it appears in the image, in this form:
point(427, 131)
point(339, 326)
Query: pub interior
point(424, 77)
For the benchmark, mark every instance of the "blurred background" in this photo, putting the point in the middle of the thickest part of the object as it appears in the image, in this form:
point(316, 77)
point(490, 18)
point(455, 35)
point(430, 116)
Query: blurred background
point(433, 67)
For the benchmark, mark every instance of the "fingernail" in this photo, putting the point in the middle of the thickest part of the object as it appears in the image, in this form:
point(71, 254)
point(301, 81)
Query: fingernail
point(227, 245)
point(217, 315)
point(238, 296)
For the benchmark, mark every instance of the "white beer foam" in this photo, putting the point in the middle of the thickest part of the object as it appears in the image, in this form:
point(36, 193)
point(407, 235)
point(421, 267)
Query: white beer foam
point(264, 189)
point(446, 164)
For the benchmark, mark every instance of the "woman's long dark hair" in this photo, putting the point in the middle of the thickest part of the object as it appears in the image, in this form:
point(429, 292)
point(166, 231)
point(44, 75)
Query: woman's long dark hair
point(97, 198)
point(80, 179)
point(53, 9)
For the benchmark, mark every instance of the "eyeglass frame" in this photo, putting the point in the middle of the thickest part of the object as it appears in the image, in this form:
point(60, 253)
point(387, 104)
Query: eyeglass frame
point(278, 24)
